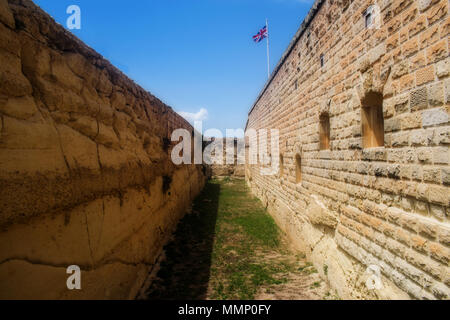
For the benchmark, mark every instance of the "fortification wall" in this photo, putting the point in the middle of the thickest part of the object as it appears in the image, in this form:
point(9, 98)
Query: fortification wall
point(85, 172)
point(350, 206)
point(232, 162)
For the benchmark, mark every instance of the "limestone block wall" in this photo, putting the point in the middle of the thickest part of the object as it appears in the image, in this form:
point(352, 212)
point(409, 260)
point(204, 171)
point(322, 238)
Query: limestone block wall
point(354, 206)
point(85, 172)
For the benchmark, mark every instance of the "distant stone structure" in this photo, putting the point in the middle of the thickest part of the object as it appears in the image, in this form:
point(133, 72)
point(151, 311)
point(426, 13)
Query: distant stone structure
point(86, 177)
point(227, 169)
point(361, 99)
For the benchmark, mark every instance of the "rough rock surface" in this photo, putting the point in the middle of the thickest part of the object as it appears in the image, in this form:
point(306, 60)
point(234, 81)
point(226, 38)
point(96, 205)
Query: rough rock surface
point(85, 171)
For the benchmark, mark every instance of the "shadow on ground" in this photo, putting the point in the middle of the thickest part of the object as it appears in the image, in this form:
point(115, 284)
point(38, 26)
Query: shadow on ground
point(185, 273)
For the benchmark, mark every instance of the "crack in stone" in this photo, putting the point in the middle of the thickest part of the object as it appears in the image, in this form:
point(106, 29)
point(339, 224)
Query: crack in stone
point(83, 267)
point(88, 236)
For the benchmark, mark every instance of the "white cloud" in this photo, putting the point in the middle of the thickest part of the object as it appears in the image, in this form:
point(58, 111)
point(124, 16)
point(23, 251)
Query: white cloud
point(201, 115)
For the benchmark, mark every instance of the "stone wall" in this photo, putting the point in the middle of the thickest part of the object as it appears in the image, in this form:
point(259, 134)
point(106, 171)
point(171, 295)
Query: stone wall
point(353, 206)
point(228, 169)
point(85, 172)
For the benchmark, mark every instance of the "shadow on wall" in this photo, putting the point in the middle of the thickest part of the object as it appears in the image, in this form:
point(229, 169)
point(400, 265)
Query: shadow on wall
point(185, 273)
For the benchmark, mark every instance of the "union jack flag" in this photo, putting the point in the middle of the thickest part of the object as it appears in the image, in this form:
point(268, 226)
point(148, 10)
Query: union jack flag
point(261, 35)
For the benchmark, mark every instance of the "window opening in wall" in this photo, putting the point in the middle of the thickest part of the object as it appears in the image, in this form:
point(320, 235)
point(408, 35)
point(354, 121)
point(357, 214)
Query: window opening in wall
point(372, 120)
point(324, 132)
point(298, 169)
point(368, 17)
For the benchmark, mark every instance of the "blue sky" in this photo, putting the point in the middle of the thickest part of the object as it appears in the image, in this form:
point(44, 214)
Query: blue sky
point(192, 54)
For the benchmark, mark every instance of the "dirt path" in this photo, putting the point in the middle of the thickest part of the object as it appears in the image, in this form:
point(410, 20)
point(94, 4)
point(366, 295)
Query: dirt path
point(230, 248)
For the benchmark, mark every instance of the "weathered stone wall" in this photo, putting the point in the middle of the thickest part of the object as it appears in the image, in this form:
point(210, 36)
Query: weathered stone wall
point(354, 207)
point(85, 172)
point(228, 169)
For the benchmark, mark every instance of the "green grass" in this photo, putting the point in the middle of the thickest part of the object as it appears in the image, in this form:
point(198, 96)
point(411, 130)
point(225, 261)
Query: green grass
point(260, 228)
point(308, 268)
point(244, 230)
point(220, 250)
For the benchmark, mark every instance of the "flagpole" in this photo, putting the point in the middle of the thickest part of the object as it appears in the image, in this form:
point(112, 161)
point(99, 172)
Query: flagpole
point(268, 52)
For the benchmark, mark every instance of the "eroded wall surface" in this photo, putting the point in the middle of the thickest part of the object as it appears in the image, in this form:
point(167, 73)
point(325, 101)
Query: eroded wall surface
point(355, 206)
point(85, 172)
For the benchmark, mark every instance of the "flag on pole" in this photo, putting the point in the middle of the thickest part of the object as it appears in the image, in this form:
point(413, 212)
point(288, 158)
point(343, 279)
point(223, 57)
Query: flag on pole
point(261, 35)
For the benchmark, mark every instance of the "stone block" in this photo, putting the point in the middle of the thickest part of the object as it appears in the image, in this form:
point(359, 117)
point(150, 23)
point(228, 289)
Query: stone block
point(433, 117)
point(419, 99)
point(443, 68)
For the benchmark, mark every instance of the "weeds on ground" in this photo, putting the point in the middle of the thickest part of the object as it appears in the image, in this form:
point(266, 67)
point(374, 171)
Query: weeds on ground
point(331, 296)
point(308, 268)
